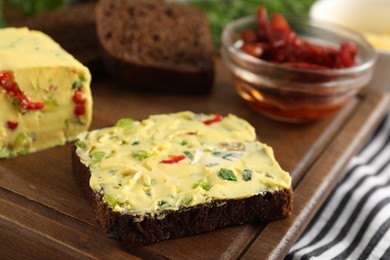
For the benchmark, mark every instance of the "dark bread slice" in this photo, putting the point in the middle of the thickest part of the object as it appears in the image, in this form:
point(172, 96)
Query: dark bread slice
point(72, 27)
point(186, 221)
point(154, 45)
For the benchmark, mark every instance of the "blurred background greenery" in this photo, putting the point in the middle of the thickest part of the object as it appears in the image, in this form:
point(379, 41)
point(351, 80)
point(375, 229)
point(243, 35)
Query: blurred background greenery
point(223, 11)
point(28, 7)
point(220, 12)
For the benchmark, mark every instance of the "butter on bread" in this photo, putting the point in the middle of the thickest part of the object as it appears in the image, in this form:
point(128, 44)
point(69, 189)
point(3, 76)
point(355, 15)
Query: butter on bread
point(190, 172)
point(45, 93)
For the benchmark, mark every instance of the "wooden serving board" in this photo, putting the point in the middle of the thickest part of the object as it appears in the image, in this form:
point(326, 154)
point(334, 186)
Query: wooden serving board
point(44, 215)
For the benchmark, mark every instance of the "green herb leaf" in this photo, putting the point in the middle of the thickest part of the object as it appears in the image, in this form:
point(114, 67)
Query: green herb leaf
point(189, 155)
point(227, 174)
point(30, 7)
point(162, 204)
point(141, 155)
point(211, 164)
point(247, 175)
point(226, 156)
point(184, 142)
point(125, 123)
point(203, 184)
point(221, 12)
point(113, 171)
point(186, 201)
point(77, 84)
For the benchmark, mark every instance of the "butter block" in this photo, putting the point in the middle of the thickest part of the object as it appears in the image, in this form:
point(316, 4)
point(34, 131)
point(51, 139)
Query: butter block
point(45, 95)
point(171, 161)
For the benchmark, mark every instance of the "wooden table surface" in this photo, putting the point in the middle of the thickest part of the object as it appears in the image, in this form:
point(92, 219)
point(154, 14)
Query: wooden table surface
point(44, 215)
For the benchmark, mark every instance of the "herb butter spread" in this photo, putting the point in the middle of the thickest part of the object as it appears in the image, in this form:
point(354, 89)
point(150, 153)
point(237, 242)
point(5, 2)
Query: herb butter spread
point(171, 161)
point(45, 93)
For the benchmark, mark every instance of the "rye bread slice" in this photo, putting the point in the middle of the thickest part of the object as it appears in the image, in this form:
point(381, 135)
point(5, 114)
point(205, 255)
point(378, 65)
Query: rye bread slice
point(186, 221)
point(72, 27)
point(179, 174)
point(155, 45)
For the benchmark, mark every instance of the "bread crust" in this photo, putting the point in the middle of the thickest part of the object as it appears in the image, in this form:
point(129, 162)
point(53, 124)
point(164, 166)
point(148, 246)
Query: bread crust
point(183, 222)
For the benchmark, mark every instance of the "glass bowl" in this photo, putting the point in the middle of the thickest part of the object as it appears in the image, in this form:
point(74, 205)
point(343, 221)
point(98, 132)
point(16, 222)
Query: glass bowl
point(296, 94)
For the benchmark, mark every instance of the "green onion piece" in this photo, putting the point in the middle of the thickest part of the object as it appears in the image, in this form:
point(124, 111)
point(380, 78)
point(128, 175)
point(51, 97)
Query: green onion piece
point(114, 138)
point(5, 152)
point(80, 145)
point(50, 103)
point(125, 123)
point(110, 200)
point(141, 155)
point(82, 77)
point(247, 175)
point(23, 152)
point(22, 139)
point(97, 158)
point(227, 174)
point(203, 184)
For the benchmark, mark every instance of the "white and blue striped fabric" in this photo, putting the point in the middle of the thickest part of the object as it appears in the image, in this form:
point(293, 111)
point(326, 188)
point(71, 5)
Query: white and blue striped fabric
point(354, 222)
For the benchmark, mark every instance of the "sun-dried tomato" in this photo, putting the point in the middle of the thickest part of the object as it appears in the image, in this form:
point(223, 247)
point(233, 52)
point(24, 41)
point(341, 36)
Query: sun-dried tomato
point(12, 125)
point(277, 42)
point(8, 83)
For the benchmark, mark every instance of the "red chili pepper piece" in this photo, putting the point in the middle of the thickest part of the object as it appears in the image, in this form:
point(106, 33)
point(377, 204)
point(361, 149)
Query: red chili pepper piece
point(216, 119)
point(281, 33)
point(346, 56)
point(257, 49)
point(279, 22)
point(79, 99)
point(12, 125)
point(264, 29)
point(174, 159)
point(13, 90)
point(248, 36)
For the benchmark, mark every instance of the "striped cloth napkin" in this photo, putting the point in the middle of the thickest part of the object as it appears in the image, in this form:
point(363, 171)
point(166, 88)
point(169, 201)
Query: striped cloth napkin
point(354, 222)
